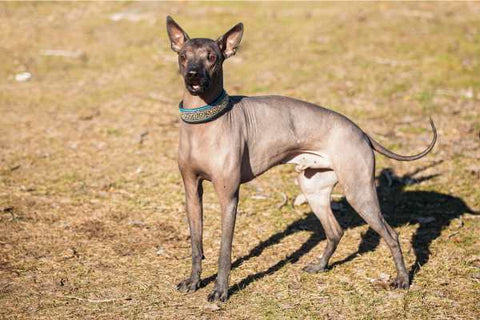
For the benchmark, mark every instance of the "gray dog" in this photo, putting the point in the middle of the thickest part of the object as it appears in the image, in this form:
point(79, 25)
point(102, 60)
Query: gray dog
point(230, 140)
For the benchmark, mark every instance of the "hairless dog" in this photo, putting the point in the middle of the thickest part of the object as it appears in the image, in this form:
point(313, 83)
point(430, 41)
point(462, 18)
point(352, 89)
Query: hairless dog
point(230, 140)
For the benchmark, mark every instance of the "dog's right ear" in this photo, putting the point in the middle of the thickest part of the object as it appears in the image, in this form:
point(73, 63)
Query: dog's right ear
point(177, 36)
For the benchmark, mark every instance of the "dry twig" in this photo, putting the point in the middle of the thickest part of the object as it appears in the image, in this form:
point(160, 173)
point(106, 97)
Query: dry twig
point(284, 201)
point(96, 300)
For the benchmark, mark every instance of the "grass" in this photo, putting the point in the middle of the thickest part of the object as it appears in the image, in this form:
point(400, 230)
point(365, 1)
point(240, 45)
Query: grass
point(92, 223)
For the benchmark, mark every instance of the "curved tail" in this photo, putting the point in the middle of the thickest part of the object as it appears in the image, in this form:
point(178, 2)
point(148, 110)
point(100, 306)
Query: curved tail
point(382, 150)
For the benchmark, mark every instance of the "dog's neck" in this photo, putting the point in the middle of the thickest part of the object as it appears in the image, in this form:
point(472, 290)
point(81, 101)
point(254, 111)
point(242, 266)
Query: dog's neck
point(191, 101)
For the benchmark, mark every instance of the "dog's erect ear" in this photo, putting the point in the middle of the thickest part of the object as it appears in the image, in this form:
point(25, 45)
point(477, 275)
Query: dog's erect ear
point(177, 36)
point(228, 43)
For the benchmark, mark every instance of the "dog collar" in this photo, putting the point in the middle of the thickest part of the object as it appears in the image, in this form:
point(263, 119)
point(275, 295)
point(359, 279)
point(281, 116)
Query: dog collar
point(206, 113)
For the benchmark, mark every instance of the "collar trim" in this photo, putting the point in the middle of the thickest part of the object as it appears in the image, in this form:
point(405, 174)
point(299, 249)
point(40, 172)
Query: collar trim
point(206, 113)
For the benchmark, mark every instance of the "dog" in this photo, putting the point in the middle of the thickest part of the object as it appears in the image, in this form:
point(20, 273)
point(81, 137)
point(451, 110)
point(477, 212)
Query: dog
point(230, 140)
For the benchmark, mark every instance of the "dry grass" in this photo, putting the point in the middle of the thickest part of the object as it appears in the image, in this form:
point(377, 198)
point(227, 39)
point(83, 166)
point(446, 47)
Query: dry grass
point(92, 222)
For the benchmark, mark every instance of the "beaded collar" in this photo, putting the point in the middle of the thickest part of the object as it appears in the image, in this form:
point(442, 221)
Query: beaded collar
point(206, 113)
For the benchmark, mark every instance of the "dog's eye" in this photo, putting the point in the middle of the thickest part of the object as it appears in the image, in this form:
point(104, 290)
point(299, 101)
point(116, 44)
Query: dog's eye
point(212, 57)
point(183, 56)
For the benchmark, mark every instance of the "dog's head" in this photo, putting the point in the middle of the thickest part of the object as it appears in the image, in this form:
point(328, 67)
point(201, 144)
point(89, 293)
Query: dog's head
point(200, 60)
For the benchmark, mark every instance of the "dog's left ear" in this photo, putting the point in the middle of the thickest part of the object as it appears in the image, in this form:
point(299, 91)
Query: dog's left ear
point(177, 36)
point(229, 42)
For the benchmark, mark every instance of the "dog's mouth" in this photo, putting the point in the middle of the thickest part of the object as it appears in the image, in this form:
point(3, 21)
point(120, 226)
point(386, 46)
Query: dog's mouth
point(196, 86)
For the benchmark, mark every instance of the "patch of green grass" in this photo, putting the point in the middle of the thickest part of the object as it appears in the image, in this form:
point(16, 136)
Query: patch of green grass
point(69, 178)
point(425, 98)
point(114, 132)
point(413, 130)
point(396, 88)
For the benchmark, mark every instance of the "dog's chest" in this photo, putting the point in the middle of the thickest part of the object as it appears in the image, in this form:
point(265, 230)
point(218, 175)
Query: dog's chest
point(207, 150)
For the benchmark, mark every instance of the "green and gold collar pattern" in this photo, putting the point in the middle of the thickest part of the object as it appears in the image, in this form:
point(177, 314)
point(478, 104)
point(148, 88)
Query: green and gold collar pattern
point(206, 113)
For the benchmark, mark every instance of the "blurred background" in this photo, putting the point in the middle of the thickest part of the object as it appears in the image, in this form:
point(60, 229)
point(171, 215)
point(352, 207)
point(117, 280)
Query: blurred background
point(91, 202)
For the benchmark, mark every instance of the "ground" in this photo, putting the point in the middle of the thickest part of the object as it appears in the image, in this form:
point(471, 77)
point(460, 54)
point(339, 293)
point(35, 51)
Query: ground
point(92, 222)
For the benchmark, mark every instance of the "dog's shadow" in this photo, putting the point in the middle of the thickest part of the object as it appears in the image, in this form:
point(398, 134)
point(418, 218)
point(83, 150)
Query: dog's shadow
point(432, 211)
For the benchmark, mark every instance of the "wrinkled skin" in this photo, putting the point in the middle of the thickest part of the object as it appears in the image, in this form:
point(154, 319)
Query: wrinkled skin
point(257, 134)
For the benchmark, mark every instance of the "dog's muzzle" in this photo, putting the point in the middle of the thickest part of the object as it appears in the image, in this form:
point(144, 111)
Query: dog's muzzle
point(195, 83)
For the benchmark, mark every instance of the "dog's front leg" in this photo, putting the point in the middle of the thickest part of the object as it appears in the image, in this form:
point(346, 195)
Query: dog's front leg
point(193, 199)
point(227, 190)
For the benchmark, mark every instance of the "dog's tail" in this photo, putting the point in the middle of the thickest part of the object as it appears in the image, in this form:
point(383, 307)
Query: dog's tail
point(382, 150)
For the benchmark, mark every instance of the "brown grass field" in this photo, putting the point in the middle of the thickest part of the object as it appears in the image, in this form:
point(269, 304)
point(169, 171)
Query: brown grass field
point(92, 222)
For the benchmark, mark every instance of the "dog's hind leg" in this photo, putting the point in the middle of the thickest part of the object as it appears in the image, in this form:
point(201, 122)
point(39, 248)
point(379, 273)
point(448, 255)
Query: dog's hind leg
point(317, 186)
point(361, 193)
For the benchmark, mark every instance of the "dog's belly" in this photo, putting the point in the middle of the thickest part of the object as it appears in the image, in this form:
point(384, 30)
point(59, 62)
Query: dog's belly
point(302, 159)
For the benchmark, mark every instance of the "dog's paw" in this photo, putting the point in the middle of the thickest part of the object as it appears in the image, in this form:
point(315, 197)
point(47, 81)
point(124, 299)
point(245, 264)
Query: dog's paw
point(401, 283)
point(314, 268)
point(218, 295)
point(188, 285)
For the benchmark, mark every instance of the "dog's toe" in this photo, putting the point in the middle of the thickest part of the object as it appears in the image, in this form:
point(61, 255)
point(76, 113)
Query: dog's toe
point(218, 295)
point(188, 285)
point(401, 283)
point(314, 268)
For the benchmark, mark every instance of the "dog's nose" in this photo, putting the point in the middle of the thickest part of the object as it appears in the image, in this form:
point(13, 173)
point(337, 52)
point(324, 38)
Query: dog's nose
point(192, 73)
